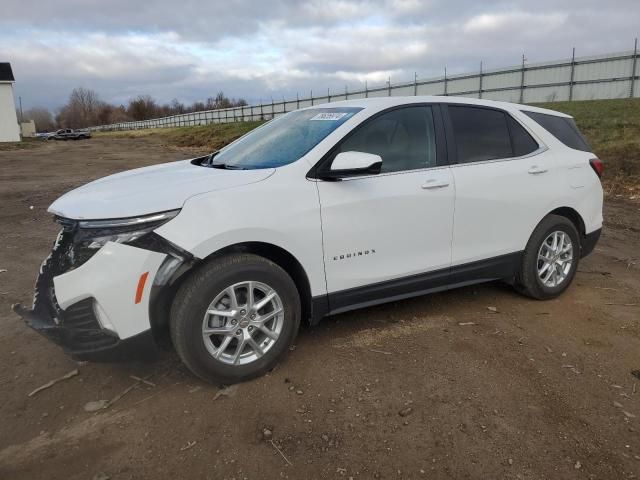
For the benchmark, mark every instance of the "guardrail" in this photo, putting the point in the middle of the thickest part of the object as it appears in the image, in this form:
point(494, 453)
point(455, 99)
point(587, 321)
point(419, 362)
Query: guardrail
point(614, 75)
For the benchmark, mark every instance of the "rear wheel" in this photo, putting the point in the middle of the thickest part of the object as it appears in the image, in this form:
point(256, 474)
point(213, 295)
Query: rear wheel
point(550, 259)
point(235, 318)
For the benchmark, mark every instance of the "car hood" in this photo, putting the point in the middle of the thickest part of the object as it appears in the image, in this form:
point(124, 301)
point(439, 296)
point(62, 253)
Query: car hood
point(148, 190)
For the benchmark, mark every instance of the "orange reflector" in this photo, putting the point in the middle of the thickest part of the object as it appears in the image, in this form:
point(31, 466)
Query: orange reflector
point(140, 290)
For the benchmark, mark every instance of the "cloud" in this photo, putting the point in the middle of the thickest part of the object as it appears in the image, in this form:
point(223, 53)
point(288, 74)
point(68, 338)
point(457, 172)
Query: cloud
point(256, 49)
point(491, 23)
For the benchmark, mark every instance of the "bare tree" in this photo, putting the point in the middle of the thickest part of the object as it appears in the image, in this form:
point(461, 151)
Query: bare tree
point(84, 109)
point(42, 117)
point(81, 109)
point(142, 107)
point(177, 107)
point(108, 114)
point(222, 101)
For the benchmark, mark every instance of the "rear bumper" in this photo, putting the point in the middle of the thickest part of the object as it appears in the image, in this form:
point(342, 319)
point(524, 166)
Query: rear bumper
point(589, 242)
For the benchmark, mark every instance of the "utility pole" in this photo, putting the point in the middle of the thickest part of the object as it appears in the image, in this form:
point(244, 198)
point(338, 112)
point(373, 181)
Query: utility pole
point(22, 114)
point(480, 85)
point(415, 84)
point(633, 71)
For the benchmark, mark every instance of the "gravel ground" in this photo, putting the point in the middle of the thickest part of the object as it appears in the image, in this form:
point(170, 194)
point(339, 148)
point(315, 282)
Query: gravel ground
point(438, 387)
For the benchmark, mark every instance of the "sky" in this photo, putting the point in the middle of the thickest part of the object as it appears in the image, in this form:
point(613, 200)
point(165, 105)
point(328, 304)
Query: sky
point(259, 49)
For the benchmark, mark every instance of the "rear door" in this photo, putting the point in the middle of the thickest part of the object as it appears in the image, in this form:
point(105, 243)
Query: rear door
point(504, 179)
point(397, 224)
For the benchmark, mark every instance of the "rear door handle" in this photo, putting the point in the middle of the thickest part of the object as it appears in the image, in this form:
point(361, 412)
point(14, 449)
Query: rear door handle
point(432, 184)
point(536, 170)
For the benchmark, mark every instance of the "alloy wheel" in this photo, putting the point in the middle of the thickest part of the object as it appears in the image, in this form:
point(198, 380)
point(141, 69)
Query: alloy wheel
point(243, 322)
point(555, 258)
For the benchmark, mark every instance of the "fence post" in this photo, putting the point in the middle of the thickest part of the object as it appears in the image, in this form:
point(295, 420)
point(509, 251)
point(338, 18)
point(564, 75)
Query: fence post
point(633, 71)
point(522, 81)
point(573, 69)
point(366, 90)
point(480, 84)
point(415, 84)
point(445, 81)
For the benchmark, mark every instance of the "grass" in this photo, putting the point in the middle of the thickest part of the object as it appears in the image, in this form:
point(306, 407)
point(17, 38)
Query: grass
point(210, 137)
point(612, 128)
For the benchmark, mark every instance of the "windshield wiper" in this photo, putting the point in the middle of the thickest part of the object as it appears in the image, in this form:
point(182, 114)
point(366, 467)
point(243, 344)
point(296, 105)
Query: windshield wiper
point(225, 166)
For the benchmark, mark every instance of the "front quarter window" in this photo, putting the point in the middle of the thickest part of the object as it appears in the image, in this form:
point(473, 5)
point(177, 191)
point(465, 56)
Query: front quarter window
point(283, 140)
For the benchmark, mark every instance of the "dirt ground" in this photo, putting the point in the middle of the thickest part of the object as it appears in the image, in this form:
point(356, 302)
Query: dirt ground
point(411, 389)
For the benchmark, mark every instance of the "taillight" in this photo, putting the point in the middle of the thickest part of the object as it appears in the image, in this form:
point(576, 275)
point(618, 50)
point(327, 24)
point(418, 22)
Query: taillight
point(597, 166)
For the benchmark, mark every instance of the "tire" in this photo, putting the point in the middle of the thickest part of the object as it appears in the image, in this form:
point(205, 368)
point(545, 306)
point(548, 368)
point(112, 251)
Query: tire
point(532, 283)
point(212, 281)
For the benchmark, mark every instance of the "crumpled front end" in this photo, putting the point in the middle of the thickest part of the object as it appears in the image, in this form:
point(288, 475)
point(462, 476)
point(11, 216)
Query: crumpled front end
point(94, 302)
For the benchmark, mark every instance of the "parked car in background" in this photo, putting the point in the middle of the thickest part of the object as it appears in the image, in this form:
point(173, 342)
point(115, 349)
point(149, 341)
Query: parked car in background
point(70, 134)
point(45, 135)
point(323, 210)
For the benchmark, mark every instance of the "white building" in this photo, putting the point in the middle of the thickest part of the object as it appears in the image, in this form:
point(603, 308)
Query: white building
point(9, 128)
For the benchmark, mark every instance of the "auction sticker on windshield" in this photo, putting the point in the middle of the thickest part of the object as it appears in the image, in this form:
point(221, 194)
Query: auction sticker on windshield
point(328, 116)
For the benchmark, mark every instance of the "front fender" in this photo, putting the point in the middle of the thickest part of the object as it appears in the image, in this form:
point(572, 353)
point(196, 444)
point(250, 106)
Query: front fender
point(278, 211)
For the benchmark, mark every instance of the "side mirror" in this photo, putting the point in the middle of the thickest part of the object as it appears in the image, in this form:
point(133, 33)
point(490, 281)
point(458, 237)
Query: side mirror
point(353, 164)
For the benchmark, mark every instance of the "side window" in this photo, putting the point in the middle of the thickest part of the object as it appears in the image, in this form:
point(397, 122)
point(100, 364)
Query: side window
point(480, 134)
point(563, 128)
point(404, 138)
point(523, 143)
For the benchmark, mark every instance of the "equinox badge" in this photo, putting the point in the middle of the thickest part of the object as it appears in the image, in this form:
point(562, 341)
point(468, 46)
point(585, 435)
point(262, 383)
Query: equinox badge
point(354, 254)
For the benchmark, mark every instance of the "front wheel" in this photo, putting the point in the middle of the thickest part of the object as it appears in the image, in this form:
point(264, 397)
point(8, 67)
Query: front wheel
point(235, 318)
point(550, 259)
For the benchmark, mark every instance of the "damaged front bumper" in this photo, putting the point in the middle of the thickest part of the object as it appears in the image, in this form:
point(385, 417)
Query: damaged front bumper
point(89, 341)
point(97, 307)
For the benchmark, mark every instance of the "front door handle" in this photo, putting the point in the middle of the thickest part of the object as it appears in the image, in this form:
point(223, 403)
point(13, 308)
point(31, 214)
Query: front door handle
point(432, 184)
point(536, 170)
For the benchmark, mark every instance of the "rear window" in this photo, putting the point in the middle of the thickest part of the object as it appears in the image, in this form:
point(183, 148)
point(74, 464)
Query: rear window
point(564, 129)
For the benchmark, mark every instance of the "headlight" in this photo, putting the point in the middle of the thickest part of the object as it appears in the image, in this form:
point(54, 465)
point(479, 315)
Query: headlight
point(94, 234)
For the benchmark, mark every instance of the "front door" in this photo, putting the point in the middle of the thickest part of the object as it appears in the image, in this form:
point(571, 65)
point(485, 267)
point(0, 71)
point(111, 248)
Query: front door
point(382, 230)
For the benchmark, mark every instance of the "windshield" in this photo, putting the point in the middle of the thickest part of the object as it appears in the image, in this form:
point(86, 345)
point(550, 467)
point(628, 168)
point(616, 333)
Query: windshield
point(283, 140)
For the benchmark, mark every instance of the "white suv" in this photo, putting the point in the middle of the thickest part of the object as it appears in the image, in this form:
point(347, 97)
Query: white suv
point(320, 211)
